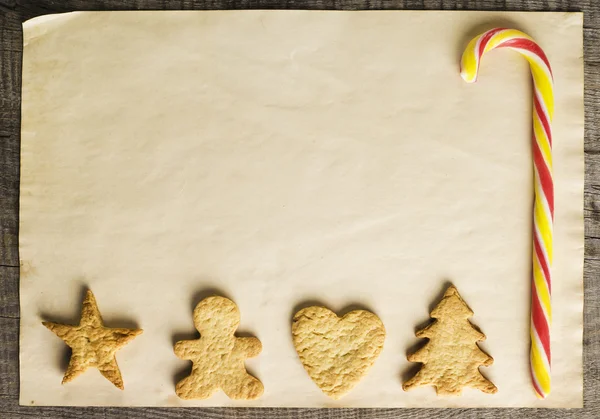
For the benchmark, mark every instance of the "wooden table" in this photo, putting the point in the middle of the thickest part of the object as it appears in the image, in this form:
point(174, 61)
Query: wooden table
point(13, 12)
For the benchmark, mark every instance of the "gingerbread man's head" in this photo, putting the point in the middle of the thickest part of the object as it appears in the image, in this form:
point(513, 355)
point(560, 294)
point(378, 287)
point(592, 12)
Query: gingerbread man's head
point(216, 316)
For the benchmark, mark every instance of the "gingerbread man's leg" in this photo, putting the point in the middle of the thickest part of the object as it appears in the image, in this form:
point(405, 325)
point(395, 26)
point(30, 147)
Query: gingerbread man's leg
point(242, 385)
point(195, 387)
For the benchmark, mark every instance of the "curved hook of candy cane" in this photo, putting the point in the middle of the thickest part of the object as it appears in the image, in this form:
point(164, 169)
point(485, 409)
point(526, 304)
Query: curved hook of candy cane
point(543, 211)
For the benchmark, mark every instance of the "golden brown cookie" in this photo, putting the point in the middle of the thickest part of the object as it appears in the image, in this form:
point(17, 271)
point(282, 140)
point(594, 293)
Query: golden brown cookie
point(218, 356)
point(451, 358)
point(337, 352)
point(92, 344)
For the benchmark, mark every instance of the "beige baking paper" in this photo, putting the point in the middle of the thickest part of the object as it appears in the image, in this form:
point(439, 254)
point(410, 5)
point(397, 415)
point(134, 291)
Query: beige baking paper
point(286, 157)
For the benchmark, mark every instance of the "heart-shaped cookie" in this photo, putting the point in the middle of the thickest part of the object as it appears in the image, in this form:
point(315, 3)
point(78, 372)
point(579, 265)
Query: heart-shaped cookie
point(337, 352)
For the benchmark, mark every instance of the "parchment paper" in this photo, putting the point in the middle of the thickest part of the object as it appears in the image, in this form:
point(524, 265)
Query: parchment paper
point(281, 158)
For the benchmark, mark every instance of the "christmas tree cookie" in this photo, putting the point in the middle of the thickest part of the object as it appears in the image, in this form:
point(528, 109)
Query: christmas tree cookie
point(451, 359)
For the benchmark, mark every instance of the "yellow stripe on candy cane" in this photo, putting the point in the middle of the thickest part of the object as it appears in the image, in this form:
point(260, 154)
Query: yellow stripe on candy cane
point(542, 289)
point(539, 365)
point(544, 84)
point(543, 222)
point(540, 133)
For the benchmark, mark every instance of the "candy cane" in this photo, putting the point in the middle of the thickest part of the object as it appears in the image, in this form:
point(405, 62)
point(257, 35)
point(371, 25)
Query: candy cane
point(543, 209)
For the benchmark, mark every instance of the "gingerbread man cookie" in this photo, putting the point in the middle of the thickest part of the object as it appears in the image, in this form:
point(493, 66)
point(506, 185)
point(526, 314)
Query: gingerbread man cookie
point(218, 356)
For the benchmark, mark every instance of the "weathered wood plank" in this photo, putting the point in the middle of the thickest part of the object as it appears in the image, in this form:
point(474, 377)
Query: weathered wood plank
point(9, 290)
point(9, 359)
point(10, 86)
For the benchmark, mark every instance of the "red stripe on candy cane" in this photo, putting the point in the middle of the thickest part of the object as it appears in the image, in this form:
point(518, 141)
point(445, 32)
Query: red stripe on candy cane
point(529, 45)
point(540, 322)
point(543, 118)
point(544, 175)
point(485, 39)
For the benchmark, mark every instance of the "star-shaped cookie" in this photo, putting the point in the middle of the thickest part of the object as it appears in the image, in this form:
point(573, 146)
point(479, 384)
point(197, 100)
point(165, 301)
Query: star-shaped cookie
point(92, 344)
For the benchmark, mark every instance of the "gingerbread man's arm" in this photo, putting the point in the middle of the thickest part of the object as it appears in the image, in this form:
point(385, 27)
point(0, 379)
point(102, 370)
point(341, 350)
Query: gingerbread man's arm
point(185, 349)
point(250, 346)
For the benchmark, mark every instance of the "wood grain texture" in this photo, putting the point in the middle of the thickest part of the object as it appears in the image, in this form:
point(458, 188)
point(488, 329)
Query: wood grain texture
point(14, 12)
